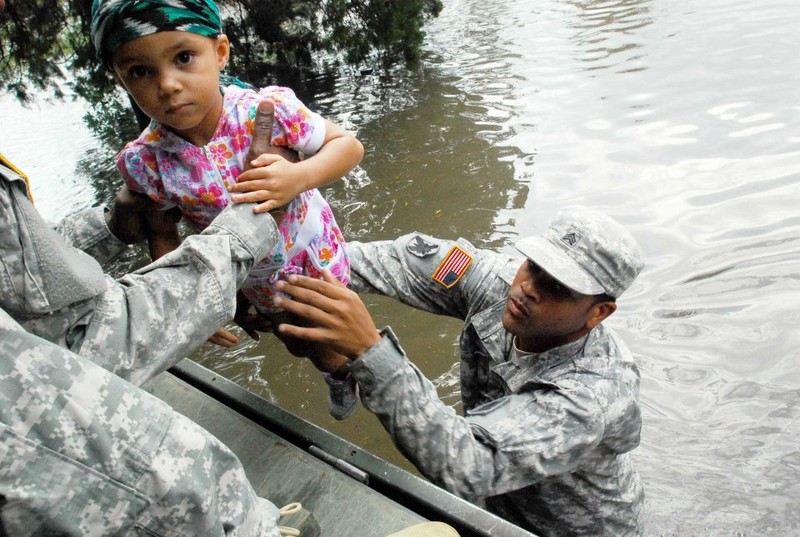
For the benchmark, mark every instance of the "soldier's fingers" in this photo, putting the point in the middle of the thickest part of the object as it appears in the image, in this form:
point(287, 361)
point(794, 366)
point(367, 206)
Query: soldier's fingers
point(328, 286)
point(262, 130)
point(312, 315)
point(302, 303)
point(331, 279)
point(220, 342)
point(347, 336)
point(312, 291)
point(317, 334)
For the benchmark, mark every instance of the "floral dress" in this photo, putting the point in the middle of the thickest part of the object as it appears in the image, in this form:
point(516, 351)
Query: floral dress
point(177, 173)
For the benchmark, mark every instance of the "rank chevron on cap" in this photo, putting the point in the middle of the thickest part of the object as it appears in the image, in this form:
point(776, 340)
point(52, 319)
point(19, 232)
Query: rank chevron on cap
point(453, 266)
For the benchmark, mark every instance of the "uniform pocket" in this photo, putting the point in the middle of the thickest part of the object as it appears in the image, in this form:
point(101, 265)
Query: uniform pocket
point(47, 492)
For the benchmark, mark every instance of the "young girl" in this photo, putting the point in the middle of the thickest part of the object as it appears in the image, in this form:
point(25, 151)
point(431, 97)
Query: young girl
point(168, 55)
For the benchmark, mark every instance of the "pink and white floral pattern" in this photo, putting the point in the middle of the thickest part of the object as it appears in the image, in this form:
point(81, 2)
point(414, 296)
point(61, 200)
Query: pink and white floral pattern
point(176, 173)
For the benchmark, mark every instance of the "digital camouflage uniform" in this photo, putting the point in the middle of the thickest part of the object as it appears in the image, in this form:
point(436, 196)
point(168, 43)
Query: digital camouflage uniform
point(83, 450)
point(546, 438)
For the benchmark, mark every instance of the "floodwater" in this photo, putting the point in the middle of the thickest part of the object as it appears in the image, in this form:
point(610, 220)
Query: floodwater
point(679, 118)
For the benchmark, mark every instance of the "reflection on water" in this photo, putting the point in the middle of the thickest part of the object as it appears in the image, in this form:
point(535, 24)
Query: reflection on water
point(607, 35)
point(680, 119)
point(676, 119)
point(47, 141)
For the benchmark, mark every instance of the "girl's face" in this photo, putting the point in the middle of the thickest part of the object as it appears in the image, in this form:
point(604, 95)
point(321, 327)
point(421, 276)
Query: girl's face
point(174, 78)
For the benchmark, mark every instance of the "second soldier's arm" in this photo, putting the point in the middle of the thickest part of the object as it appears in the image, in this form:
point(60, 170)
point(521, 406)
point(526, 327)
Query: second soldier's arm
point(503, 445)
point(119, 453)
point(407, 269)
point(157, 315)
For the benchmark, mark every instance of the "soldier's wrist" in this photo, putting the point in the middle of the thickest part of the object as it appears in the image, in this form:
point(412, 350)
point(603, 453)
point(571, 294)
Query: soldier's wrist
point(386, 332)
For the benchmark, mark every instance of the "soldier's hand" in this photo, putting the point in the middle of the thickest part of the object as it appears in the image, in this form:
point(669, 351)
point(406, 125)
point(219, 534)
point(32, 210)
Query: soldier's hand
point(127, 216)
point(261, 154)
point(261, 142)
point(336, 315)
point(249, 319)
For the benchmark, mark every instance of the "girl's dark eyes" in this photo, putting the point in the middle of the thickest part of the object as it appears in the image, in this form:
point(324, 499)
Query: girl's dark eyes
point(141, 71)
point(184, 57)
point(137, 71)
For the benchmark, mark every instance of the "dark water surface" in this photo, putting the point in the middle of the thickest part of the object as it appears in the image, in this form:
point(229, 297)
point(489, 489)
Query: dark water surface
point(680, 118)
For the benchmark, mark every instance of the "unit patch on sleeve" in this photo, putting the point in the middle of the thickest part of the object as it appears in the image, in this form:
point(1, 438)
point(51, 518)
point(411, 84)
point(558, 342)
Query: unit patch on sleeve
point(454, 266)
point(420, 247)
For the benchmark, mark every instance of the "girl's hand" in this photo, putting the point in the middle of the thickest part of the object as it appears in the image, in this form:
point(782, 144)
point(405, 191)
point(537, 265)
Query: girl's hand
point(272, 182)
point(223, 338)
point(269, 187)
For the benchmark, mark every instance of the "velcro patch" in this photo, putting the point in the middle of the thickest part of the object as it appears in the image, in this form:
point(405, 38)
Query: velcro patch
point(420, 247)
point(454, 265)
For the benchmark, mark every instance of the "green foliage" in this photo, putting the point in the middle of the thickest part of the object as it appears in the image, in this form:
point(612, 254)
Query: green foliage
point(35, 38)
point(393, 27)
point(42, 39)
point(45, 47)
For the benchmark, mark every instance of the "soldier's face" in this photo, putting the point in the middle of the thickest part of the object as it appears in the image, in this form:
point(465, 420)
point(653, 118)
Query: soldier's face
point(543, 313)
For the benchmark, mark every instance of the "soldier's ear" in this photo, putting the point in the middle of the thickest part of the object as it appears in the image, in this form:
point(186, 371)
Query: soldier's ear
point(599, 312)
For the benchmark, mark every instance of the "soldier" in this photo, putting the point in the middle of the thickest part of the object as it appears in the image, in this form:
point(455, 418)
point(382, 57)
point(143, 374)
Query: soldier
point(550, 395)
point(84, 450)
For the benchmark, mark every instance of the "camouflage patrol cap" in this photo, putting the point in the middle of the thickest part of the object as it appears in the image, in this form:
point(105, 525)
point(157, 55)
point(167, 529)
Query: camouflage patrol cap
point(587, 251)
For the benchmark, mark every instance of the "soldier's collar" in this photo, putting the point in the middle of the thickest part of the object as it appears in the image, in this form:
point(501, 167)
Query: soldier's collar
point(8, 164)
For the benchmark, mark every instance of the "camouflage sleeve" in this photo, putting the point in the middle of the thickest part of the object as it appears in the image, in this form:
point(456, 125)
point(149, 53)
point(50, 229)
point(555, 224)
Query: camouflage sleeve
point(87, 230)
point(157, 315)
point(504, 445)
point(435, 275)
point(86, 453)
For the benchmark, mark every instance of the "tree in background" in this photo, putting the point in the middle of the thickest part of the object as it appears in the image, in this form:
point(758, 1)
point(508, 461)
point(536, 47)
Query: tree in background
point(37, 38)
point(40, 40)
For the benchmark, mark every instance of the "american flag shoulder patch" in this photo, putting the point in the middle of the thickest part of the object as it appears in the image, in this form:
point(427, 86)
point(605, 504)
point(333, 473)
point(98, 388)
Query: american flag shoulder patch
point(454, 265)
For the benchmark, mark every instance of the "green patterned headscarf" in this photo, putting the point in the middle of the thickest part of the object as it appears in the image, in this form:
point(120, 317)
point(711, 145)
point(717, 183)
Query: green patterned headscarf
point(116, 22)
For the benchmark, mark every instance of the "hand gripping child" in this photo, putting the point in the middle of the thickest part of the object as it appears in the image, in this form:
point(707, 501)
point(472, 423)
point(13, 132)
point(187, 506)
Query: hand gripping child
point(193, 157)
